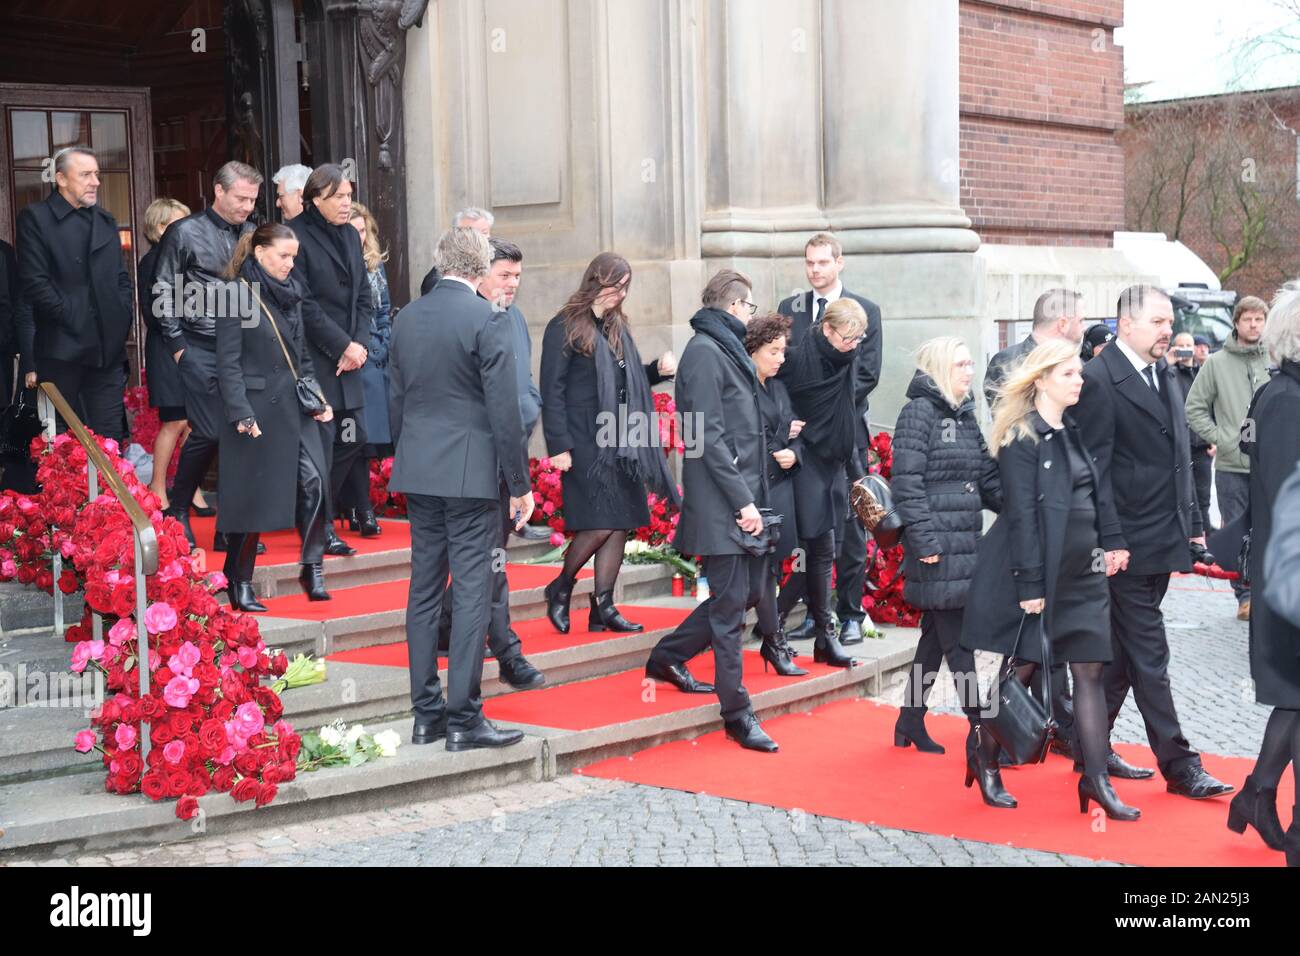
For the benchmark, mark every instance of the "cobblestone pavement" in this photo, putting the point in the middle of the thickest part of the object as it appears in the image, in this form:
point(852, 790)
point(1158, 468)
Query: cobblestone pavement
point(584, 821)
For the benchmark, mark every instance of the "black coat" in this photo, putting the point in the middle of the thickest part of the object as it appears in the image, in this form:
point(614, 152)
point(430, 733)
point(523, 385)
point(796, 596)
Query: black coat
point(569, 410)
point(161, 371)
point(1185, 375)
point(731, 471)
point(801, 309)
point(337, 310)
point(453, 401)
point(774, 404)
point(259, 476)
point(1148, 501)
point(81, 301)
point(1274, 641)
point(943, 477)
point(1020, 557)
point(1001, 363)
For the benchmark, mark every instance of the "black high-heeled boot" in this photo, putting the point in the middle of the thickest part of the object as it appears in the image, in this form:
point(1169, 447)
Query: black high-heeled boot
point(244, 598)
point(1257, 806)
point(312, 579)
point(827, 649)
point(605, 617)
point(557, 595)
point(1291, 841)
point(1099, 790)
point(241, 560)
point(775, 651)
point(982, 765)
point(910, 731)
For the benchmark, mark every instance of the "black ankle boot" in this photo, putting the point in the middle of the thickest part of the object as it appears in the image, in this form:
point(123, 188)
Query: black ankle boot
point(606, 617)
point(982, 765)
point(910, 731)
point(1291, 841)
point(312, 580)
point(183, 516)
point(367, 524)
point(827, 650)
point(1257, 806)
point(557, 594)
point(1099, 790)
point(775, 651)
point(243, 597)
point(336, 545)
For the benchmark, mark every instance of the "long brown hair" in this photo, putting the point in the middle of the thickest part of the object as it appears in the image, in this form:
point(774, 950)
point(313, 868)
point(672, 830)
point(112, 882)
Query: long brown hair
point(263, 235)
point(604, 271)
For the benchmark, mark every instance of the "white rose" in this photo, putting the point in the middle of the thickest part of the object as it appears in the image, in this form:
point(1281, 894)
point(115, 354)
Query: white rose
point(388, 741)
point(330, 735)
point(355, 732)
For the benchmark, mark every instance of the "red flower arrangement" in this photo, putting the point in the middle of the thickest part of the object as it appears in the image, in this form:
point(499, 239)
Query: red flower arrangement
point(883, 595)
point(212, 722)
point(381, 500)
point(145, 424)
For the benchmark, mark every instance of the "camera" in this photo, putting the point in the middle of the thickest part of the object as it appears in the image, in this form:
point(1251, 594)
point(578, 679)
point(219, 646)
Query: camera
point(1183, 353)
point(1200, 554)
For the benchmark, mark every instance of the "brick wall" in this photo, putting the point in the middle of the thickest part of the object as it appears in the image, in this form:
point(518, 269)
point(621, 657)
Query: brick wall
point(1041, 99)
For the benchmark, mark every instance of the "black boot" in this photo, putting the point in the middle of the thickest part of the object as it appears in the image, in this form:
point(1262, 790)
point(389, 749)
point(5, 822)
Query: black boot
point(241, 561)
point(336, 545)
point(244, 598)
point(746, 731)
point(605, 617)
point(368, 524)
point(910, 730)
point(982, 765)
point(557, 594)
point(827, 650)
point(1291, 842)
point(1257, 806)
point(312, 580)
point(1099, 790)
point(775, 651)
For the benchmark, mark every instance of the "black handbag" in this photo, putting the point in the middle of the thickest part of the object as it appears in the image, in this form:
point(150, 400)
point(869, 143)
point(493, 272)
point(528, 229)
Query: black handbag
point(873, 502)
point(310, 397)
point(1019, 723)
point(19, 424)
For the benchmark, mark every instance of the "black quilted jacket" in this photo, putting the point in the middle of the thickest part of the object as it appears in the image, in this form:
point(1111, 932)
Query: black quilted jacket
point(943, 478)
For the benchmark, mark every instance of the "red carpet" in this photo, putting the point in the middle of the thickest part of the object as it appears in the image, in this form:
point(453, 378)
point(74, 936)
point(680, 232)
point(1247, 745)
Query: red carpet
point(535, 635)
point(840, 761)
point(284, 547)
point(619, 698)
point(387, 595)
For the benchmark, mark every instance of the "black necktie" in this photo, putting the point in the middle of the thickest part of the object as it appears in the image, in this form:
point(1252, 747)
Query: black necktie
point(821, 310)
point(1150, 372)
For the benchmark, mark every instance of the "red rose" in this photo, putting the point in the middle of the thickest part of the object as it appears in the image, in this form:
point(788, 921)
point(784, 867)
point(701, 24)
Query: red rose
point(154, 784)
point(222, 710)
point(187, 807)
point(223, 778)
point(129, 764)
point(247, 763)
point(178, 782)
point(290, 745)
point(162, 733)
point(200, 782)
point(247, 789)
point(271, 773)
point(212, 736)
point(176, 592)
point(233, 690)
point(288, 770)
point(265, 794)
point(180, 723)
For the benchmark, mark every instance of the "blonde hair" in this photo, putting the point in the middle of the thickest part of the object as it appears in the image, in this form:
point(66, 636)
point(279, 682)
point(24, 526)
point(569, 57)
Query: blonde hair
point(847, 317)
point(937, 358)
point(158, 214)
point(370, 250)
point(1282, 330)
point(1015, 396)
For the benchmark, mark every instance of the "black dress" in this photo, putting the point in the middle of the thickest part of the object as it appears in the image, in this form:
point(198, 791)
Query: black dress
point(1080, 614)
point(162, 374)
point(569, 409)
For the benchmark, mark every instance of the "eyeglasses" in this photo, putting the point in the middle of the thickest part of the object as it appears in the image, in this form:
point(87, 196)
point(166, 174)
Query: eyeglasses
point(752, 306)
point(966, 364)
point(849, 342)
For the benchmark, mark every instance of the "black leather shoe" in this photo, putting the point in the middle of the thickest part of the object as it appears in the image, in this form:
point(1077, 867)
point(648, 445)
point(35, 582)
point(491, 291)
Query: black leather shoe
point(313, 582)
point(678, 676)
point(851, 632)
point(336, 545)
point(244, 598)
point(483, 736)
point(803, 631)
point(1117, 766)
point(1257, 806)
point(604, 616)
point(1196, 784)
point(207, 511)
point(428, 731)
point(746, 732)
point(368, 524)
point(520, 674)
point(1099, 790)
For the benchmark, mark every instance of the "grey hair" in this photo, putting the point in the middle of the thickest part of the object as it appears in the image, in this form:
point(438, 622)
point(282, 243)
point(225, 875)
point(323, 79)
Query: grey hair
point(465, 253)
point(234, 171)
point(1054, 304)
point(472, 212)
point(61, 157)
point(293, 177)
point(1282, 330)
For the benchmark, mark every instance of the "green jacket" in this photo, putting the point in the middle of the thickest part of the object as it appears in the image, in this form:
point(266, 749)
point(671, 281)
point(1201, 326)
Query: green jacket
point(1220, 397)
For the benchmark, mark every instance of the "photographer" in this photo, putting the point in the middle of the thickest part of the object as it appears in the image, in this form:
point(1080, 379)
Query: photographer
point(1183, 365)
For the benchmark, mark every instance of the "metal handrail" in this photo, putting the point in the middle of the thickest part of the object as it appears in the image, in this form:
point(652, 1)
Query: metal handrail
point(50, 400)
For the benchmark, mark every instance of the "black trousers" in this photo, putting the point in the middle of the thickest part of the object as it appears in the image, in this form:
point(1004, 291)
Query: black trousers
point(93, 393)
point(344, 438)
point(940, 639)
point(1141, 662)
point(769, 617)
point(735, 584)
point(814, 583)
point(501, 637)
point(204, 409)
point(1202, 477)
point(851, 563)
point(309, 519)
point(456, 535)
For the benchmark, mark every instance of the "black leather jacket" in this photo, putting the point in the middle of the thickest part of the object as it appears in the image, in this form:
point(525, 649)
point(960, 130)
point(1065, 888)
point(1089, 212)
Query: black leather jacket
point(195, 250)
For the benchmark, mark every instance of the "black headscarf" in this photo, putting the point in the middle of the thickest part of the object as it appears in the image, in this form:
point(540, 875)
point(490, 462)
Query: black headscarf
point(643, 461)
point(819, 378)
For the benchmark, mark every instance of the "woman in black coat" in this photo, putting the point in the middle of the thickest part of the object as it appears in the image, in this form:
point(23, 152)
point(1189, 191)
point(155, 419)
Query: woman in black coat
point(943, 479)
point(1274, 640)
point(272, 463)
point(819, 373)
point(1041, 567)
point(765, 341)
point(601, 432)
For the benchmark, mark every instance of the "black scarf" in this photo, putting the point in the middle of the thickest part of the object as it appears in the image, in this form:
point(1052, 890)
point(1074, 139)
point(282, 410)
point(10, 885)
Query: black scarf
point(281, 296)
point(643, 461)
point(819, 378)
point(729, 332)
point(333, 233)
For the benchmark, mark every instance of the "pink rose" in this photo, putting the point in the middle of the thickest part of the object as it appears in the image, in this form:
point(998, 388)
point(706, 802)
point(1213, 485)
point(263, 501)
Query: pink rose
point(122, 631)
point(557, 539)
point(174, 751)
point(249, 719)
point(179, 690)
point(217, 581)
point(125, 736)
point(68, 549)
point(8, 569)
point(159, 617)
point(170, 571)
point(282, 728)
point(96, 650)
point(80, 656)
point(247, 657)
point(85, 741)
point(226, 757)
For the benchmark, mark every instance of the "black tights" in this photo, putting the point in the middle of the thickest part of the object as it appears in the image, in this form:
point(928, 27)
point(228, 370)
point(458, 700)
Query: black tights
point(1281, 746)
point(1091, 721)
point(606, 545)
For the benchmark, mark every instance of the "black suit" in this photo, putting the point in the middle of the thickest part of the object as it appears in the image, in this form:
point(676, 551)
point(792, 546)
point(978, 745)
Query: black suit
point(81, 306)
point(1148, 508)
point(851, 556)
point(454, 411)
point(1002, 362)
point(336, 312)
